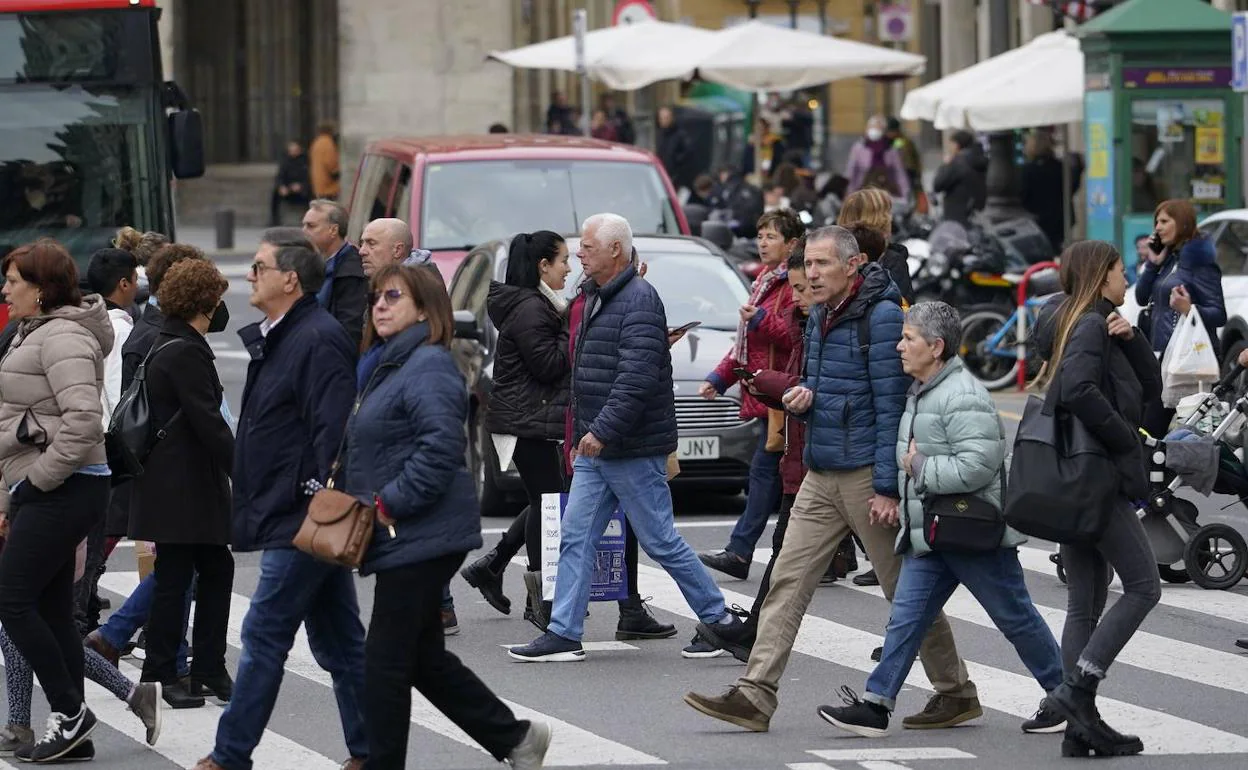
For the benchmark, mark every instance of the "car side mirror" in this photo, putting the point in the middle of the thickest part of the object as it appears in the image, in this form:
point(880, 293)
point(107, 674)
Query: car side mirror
point(718, 233)
point(466, 327)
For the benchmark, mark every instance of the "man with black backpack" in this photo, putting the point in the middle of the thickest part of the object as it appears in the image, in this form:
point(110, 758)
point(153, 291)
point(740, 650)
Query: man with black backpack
point(851, 396)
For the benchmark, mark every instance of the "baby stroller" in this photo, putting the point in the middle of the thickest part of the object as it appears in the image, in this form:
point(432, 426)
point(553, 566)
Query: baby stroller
point(1214, 556)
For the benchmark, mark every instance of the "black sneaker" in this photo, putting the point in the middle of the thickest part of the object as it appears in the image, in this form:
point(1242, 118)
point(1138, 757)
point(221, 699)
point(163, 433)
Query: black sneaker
point(1045, 721)
point(728, 563)
point(700, 648)
point(866, 579)
point(877, 653)
point(549, 648)
point(64, 734)
point(870, 720)
point(735, 637)
point(828, 578)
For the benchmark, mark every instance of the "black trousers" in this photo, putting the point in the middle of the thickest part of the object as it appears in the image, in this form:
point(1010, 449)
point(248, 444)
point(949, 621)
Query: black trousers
point(406, 649)
point(37, 581)
point(540, 464)
point(176, 567)
point(86, 604)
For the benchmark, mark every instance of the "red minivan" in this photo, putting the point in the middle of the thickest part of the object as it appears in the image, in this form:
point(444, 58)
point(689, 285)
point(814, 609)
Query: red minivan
point(460, 191)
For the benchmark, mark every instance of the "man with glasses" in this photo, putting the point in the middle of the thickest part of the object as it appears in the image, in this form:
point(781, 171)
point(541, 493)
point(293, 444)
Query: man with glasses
point(299, 390)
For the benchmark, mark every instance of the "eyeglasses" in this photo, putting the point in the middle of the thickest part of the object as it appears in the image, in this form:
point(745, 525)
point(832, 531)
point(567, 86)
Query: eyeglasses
point(392, 296)
point(259, 267)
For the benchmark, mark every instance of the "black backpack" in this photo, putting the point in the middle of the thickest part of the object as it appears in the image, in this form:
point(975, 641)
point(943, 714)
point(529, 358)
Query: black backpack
point(131, 437)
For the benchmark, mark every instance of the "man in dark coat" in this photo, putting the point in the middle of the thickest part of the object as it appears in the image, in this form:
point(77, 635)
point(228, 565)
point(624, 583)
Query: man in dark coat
point(963, 179)
point(623, 428)
point(299, 390)
point(292, 185)
point(344, 294)
point(674, 149)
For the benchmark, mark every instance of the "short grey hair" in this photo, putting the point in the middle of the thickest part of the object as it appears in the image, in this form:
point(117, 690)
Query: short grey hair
point(612, 228)
point(334, 213)
point(295, 254)
point(844, 244)
point(937, 321)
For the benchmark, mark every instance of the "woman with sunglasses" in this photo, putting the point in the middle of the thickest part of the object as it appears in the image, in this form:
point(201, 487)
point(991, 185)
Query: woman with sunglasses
point(404, 455)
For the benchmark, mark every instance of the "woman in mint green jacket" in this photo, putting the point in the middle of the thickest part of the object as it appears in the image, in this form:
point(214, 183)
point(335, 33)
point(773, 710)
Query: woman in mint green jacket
point(951, 454)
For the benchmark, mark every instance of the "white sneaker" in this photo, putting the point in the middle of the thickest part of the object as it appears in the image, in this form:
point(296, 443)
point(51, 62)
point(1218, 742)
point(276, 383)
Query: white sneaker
point(531, 751)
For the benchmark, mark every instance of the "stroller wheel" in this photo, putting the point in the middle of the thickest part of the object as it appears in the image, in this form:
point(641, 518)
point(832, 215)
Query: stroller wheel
point(1216, 557)
point(1056, 558)
point(1172, 575)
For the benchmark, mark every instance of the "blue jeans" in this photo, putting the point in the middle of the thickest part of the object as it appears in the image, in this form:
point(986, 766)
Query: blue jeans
point(995, 579)
point(295, 589)
point(639, 486)
point(123, 624)
point(762, 499)
point(448, 601)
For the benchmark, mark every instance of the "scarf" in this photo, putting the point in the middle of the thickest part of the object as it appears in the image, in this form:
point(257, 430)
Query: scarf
point(879, 150)
point(554, 297)
point(367, 365)
point(763, 284)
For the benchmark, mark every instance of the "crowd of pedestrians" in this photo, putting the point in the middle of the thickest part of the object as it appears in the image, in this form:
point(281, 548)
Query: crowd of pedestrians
point(870, 430)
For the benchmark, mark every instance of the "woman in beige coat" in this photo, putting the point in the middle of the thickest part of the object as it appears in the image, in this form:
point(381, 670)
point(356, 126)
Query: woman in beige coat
point(55, 476)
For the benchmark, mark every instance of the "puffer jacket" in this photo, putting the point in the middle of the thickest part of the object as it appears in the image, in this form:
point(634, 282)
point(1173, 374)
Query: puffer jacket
point(405, 446)
point(768, 344)
point(858, 403)
point(771, 385)
point(531, 367)
point(961, 448)
point(51, 421)
point(1196, 268)
point(622, 370)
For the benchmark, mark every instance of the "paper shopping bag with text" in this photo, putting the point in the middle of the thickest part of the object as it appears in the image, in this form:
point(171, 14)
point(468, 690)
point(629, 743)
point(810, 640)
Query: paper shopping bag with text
point(608, 579)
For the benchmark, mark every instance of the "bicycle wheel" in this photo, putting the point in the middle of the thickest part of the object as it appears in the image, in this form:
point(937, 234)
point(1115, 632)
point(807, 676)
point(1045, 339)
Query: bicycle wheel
point(982, 346)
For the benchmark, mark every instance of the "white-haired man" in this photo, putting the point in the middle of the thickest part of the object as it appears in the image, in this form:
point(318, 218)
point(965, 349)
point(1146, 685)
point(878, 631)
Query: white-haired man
point(623, 429)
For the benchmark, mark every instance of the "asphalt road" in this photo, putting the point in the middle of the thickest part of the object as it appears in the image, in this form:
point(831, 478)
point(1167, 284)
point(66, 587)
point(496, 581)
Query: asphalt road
point(1180, 683)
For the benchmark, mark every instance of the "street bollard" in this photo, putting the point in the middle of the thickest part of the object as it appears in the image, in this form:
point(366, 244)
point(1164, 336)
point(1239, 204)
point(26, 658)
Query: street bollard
point(224, 223)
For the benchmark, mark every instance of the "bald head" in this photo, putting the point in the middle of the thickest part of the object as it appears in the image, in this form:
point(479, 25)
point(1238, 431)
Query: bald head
point(384, 242)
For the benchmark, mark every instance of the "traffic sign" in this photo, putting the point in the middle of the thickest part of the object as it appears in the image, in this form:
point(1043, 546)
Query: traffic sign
point(1239, 51)
point(895, 22)
point(633, 11)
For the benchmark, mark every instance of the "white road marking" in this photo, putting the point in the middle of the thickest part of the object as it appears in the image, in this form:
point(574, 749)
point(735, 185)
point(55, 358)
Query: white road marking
point(572, 746)
point(877, 765)
point(1003, 691)
point(809, 766)
point(696, 524)
point(899, 754)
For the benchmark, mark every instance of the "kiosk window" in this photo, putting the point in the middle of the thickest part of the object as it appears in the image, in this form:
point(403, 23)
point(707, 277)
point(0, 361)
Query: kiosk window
point(1178, 150)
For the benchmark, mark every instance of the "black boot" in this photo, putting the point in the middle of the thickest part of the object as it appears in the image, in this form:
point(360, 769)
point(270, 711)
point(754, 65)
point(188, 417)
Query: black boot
point(538, 611)
point(482, 577)
point(636, 622)
point(1075, 699)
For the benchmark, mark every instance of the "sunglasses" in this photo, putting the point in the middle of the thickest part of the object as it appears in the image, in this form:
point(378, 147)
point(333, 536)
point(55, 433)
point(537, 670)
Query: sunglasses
point(392, 296)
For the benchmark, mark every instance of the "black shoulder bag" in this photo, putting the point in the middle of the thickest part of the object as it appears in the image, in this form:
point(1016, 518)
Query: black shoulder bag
point(131, 436)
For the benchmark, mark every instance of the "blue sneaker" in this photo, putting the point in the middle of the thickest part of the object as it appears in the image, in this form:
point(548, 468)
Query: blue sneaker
point(549, 648)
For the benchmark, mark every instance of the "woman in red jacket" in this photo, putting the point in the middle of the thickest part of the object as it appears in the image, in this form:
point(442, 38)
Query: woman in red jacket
point(763, 342)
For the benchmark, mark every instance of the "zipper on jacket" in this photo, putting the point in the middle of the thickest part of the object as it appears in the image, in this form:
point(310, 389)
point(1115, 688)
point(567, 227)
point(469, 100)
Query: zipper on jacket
point(355, 410)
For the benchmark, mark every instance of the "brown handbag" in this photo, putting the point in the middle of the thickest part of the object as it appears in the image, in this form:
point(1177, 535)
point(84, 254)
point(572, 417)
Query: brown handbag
point(338, 528)
point(775, 417)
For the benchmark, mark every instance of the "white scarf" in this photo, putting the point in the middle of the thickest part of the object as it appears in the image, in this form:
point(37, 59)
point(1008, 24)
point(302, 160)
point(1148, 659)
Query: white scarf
point(555, 298)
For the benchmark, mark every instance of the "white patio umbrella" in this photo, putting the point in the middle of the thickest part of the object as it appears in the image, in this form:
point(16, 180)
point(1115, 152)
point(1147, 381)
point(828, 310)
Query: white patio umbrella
point(625, 57)
point(1039, 84)
point(757, 56)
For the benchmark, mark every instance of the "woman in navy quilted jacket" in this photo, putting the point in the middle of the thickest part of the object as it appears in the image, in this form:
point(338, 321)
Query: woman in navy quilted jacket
point(405, 456)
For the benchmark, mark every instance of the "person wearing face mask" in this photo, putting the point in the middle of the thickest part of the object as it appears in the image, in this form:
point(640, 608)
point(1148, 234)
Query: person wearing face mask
point(874, 162)
point(190, 465)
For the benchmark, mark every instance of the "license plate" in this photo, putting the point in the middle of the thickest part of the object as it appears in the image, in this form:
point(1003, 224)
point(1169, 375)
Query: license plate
point(698, 448)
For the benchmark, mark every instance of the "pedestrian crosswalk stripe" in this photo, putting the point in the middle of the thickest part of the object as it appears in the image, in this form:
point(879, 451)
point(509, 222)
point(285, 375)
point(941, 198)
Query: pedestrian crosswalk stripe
point(572, 746)
point(899, 754)
point(998, 689)
point(809, 766)
point(1159, 654)
point(1224, 604)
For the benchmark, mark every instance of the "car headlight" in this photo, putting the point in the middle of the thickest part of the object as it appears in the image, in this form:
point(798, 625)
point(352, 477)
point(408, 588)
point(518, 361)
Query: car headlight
point(937, 264)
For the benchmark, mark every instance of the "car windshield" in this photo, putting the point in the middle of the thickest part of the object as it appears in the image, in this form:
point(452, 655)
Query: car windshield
point(469, 202)
point(693, 288)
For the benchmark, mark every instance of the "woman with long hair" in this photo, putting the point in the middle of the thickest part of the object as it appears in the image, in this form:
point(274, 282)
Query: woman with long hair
point(1104, 372)
point(1182, 275)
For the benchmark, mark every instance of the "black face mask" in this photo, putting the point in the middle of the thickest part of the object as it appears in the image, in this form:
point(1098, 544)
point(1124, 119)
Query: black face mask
point(220, 319)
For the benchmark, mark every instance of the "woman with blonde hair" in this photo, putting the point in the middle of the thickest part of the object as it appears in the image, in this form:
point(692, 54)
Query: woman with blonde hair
point(1104, 372)
point(873, 208)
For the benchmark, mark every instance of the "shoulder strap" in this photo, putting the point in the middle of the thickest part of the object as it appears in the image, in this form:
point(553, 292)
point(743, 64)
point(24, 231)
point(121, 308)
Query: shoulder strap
point(864, 335)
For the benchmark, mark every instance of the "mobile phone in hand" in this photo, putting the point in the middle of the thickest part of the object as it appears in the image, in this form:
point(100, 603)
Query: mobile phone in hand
point(743, 373)
point(683, 329)
point(1154, 244)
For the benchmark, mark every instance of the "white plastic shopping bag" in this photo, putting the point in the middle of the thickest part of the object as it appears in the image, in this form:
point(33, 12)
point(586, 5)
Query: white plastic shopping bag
point(609, 581)
point(1189, 359)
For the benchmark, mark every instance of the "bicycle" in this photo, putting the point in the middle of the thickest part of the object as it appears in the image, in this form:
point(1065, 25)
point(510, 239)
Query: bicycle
point(990, 343)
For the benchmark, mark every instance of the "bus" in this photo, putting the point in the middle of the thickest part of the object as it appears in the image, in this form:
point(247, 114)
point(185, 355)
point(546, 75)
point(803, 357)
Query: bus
point(91, 134)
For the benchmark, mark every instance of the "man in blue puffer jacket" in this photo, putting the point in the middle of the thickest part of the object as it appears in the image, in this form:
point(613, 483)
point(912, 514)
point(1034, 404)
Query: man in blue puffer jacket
point(852, 396)
point(624, 427)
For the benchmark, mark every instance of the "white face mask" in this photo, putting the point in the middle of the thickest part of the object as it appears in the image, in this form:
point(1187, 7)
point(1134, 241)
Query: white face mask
point(875, 134)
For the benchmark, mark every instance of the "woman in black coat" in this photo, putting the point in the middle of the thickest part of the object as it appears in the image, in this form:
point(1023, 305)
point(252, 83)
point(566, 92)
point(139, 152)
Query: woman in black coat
point(182, 500)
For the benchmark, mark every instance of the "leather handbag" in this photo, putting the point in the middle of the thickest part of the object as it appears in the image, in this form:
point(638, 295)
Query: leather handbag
point(775, 417)
point(963, 523)
point(338, 528)
point(1063, 481)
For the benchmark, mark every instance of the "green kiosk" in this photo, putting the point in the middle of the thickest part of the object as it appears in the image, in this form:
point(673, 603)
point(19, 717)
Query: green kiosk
point(1160, 119)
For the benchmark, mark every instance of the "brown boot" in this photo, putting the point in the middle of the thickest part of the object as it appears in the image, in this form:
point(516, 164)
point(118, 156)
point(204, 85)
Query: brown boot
point(732, 707)
point(96, 641)
point(944, 711)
